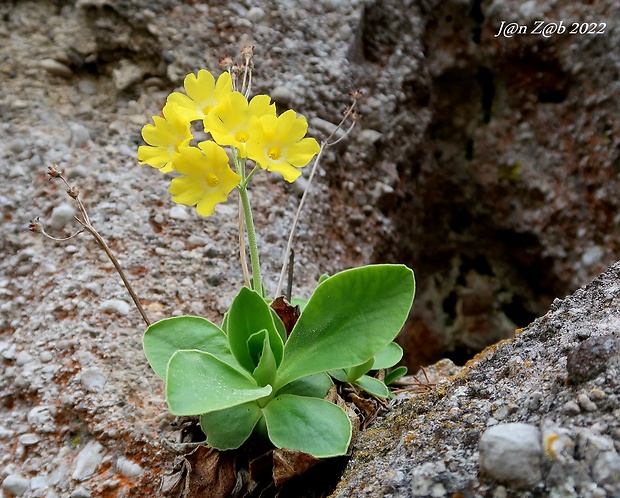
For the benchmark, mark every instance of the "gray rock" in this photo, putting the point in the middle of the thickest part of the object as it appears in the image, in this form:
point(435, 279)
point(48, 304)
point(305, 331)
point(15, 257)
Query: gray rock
point(128, 468)
point(93, 379)
point(127, 74)
point(117, 306)
point(28, 439)
point(56, 68)
point(179, 212)
point(591, 357)
point(80, 492)
point(42, 418)
point(606, 469)
point(88, 460)
point(511, 454)
point(255, 14)
point(79, 135)
point(283, 95)
point(61, 215)
point(15, 484)
point(17, 145)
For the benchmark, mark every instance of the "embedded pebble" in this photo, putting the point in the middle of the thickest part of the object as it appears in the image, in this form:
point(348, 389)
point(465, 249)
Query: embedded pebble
point(179, 212)
point(42, 418)
point(93, 379)
point(511, 454)
point(255, 14)
point(606, 469)
point(15, 484)
point(17, 145)
point(283, 95)
point(88, 460)
point(117, 306)
point(61, 215)
point(591, 357)
point(80, 492)
point(586, 403)
point(571, 408)
point(56, 68)
point(28, 439)
point(128, 468)
point(79, 135)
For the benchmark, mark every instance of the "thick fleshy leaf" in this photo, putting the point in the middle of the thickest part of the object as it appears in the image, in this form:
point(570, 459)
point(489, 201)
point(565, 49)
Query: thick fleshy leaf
point(164, 338)
point(388, 356)
point(248, 314)
point(315, 386)
point(311, 425)
point(297, 301)
point(229, 428)
point(198, 382)
point(354, 373)
point(339, 374)
point(350, 317)
point(279, 325)
point(265, 371)
point(394, 375)
point(373, 386)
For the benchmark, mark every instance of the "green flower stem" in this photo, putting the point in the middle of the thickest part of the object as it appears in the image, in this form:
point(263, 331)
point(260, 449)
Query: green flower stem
point(257, 283)
point(244, 183)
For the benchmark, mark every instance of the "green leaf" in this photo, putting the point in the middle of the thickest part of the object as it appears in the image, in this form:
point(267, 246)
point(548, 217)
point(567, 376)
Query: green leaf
point(311, 425)
point(225, 323)
point(354, 373)
point(265, 371)
point(297, 301)
point(394, 375)
point(322, 278)
point(248, 314)
point(315, 386)
point(339, 374)
point(255, 344)
point(198, 382)
point(372, 386)
point(229, 428)
point(279, 325)
point(350, 317)
point(388, 356)
point(164, 338)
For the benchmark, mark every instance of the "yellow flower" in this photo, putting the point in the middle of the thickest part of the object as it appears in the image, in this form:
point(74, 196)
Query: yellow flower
point(229, 121)
point(165, 138)
point(207, 178)
point(203, 94)
point(277, 144)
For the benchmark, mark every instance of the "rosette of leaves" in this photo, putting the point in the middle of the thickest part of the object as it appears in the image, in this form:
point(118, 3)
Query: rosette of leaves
point(248, 377)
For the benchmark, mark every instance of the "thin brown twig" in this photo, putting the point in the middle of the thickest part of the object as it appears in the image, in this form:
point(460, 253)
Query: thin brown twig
point(326, 143)
point(73, 192)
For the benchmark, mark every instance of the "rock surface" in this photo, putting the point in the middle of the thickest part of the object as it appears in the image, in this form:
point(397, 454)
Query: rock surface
point(512, 423)
point(488, 164)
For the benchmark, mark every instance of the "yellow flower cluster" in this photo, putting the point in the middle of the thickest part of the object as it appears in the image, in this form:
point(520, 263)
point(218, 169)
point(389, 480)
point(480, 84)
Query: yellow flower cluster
point(275, 143)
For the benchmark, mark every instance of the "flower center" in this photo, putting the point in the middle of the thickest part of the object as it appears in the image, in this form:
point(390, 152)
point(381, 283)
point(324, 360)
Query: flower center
point(241, 136)
point(274, 152)
point(212, 180)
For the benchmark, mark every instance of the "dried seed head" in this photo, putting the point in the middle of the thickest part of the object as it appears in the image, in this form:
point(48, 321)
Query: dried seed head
point(227, 63)
point(73, 192)
point(356, 95)
point(35, 226)
point(356, 116)
point(247, 52)
point(54, 172)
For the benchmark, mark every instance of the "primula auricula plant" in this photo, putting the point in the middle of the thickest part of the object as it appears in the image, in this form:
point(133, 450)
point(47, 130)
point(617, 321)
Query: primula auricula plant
point(251, 375)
